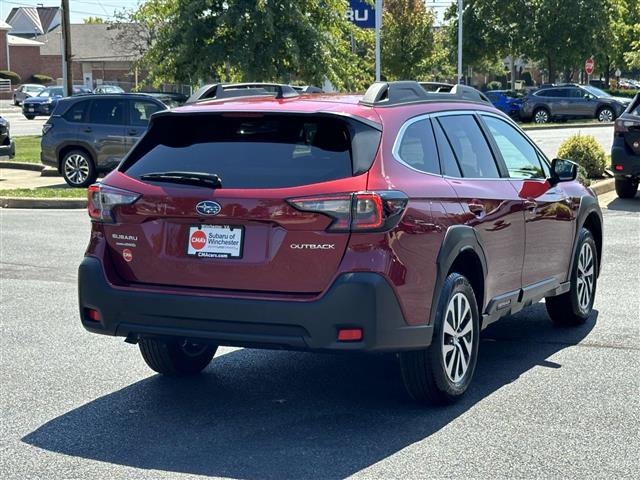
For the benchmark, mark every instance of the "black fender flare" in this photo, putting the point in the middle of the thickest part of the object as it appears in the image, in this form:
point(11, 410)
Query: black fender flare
point(588, 205)
point(457, 239)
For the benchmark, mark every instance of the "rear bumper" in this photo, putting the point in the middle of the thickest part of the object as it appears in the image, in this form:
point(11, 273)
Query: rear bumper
point(623, 161)
point(355, 300)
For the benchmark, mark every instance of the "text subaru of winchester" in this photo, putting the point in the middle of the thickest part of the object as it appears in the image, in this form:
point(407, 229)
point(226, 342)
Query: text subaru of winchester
point(399, 221)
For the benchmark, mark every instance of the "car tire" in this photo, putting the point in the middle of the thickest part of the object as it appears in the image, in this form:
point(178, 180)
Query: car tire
point(175, 358)
point(16, 103)
point(29, 117)
point(78, 169)
point(626, 187)
point(437, 375)
point(574, 307)
point(541, 115)
point(606, 114)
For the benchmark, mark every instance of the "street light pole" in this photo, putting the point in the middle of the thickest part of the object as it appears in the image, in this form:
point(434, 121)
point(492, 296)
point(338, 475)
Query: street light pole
point(378, 27)
point(460, 8)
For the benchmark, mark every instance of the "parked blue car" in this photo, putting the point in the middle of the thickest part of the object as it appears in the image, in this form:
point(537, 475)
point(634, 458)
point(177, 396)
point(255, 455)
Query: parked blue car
point(46, 100)
point(505, 101)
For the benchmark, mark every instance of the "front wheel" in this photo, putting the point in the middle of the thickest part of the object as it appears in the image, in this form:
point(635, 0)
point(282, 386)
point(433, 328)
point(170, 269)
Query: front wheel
point(626, 187)
point(29, 117)
point(78, 169)
point(442, 373)
point(541, 115)
point(574, 307)
point(176, 358)
point(606, 114)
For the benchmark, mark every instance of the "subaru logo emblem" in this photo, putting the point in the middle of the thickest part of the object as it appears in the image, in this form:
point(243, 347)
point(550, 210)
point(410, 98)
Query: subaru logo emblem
point(208, 207)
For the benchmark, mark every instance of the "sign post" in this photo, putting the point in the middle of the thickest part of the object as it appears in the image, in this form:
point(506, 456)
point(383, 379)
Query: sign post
point(460, 10)
point(364, 16)
point(378, 27)
point(588, 67)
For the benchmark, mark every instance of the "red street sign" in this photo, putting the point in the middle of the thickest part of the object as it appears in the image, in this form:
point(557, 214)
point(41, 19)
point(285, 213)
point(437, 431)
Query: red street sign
point(588, 66)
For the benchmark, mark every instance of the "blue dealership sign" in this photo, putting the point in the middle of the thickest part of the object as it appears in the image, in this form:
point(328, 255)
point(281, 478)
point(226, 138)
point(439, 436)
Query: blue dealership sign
point(362, 14)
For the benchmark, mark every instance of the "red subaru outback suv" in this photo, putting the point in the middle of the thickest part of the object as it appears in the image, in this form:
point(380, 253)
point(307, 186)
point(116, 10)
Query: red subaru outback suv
point(398, 221)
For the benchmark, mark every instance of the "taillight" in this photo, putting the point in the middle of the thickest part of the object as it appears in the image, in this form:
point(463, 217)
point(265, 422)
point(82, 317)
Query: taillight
point(103, 199)
point(359, 211)
point(621, 125)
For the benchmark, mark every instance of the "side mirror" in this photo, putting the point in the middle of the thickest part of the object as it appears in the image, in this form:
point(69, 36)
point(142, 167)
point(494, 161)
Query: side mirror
point(563, 171)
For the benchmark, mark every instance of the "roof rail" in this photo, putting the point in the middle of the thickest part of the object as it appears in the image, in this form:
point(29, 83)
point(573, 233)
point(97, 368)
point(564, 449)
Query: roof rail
point(219, 91)
point(388, 94)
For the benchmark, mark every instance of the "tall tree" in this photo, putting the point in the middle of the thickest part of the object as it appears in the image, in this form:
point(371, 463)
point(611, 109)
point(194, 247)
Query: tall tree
point(407, 39)
point(267, 40)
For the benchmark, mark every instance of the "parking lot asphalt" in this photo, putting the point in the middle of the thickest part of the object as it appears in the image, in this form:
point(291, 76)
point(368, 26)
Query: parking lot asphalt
point(549, 140)
point(20, 126)
point(546, 402)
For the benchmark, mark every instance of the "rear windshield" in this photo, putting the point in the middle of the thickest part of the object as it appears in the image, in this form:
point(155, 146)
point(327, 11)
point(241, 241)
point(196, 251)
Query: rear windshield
point(247, 150)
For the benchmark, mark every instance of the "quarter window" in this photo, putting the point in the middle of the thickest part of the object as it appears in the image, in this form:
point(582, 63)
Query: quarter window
point(470, 146)
point(418, 147)
point(519, 155)
point(77, 112)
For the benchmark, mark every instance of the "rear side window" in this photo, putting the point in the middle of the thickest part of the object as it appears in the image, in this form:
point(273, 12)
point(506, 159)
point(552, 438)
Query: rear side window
point(417, 147)
point(448, 161)
point(248, 150)
point(470, 146)
point(77, 112)
point(107, 111)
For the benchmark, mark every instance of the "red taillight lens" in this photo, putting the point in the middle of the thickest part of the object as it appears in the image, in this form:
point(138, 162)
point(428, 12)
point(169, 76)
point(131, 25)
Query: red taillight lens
point(103, 199)
point(349, 334)
point(93, 314)
point(618, 168)
point(359, 211)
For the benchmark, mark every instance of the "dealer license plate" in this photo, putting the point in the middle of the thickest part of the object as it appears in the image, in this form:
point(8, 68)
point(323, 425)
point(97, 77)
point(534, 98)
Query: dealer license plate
point(215, 241)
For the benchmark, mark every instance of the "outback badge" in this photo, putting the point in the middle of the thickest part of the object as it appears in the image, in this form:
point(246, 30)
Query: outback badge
point(208, 207)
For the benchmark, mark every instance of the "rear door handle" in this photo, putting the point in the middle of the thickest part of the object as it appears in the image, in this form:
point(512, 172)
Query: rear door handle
point(87, 130)
point(476, 208)
point(133, 131)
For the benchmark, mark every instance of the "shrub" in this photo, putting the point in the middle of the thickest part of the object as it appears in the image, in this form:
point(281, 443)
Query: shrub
point(13, 76)
point(41, 78)
point(586, 152)
point(623, 93)
point(494, 85)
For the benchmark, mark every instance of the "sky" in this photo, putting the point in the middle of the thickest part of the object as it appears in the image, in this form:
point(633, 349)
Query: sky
point(79, 8)
point(104, 8)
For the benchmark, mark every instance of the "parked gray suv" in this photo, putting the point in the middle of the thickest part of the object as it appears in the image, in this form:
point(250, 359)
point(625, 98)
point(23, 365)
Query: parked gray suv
point(86, 136)
point(572, 101)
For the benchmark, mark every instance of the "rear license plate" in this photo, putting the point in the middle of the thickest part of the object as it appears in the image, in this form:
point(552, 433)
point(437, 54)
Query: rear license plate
point(215, 241)
point(31, 109)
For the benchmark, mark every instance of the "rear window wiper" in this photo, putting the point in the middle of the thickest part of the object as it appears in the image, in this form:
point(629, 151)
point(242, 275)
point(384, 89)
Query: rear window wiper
point(188, 178)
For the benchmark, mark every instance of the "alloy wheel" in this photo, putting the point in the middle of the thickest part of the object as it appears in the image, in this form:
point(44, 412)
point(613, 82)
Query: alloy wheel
point(605, 115)
point(586, 276)
point(541, 116)
point(457, 338)
point(76, 168)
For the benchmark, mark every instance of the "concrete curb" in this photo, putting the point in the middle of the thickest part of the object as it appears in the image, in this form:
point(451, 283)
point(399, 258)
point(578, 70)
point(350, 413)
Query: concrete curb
point(42, 203)
point(35, 167)
point(529, 127)
point(603, 186)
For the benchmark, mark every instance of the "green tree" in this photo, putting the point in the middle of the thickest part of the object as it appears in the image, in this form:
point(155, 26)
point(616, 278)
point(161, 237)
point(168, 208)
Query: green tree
point(406, 39)
point(92, 20)
point(249, 40)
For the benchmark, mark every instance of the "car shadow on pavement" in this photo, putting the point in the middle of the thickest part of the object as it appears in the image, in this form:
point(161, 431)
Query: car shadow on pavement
point(267, 414)
point(626, 205)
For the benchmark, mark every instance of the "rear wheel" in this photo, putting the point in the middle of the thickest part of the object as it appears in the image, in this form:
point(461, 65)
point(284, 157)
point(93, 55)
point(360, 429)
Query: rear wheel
point(78, 169)
point(574, 307)
point(176, 358)
point(626, 187)
point(442, 373)
point(30, 117)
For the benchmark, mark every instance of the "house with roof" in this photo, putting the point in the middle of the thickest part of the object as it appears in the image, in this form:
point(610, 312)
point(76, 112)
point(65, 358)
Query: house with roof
point(29, 22)
point(18, 54)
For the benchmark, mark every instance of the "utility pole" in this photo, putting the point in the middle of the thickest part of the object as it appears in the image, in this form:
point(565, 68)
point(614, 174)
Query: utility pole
point(460, 8)
point(66, 50)
point(378, 27)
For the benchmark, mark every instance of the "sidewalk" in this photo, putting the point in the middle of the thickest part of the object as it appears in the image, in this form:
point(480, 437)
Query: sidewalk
point(11, 178)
